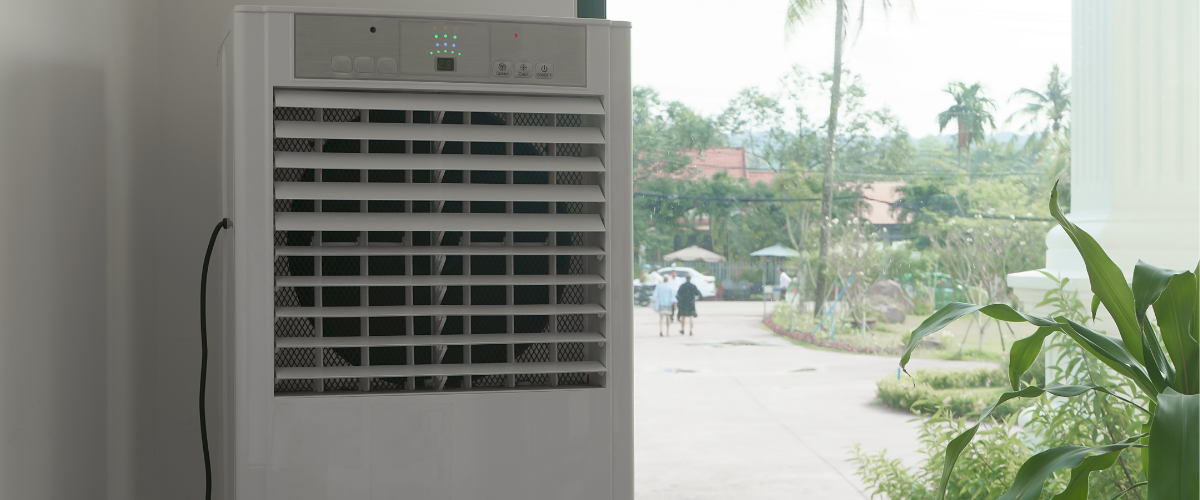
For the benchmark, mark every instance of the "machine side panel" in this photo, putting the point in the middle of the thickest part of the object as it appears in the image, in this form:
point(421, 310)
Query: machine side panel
point(252, 227)
point(620, 180)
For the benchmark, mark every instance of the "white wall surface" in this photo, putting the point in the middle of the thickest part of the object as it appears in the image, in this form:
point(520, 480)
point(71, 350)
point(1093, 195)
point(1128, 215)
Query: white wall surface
point(109, 144)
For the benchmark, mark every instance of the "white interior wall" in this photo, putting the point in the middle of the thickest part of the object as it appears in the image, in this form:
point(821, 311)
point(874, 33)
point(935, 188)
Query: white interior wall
point(109, 123)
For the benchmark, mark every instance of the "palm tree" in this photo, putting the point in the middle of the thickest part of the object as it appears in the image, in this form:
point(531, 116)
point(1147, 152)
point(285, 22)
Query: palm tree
point(799, 12)
point(1052, 105)
point(971, 112)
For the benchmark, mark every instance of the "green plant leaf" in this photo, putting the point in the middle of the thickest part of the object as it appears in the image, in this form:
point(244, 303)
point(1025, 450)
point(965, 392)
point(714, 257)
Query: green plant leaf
point(960, 442)
point(1148, 284)
point(1095, 306)
point(1081, 459)
point(1108, 283)
point(1155, 360)
point(1129, 489)
point(1175, 447)
point(1023, 354)
point(1175, 309)
point(1111, 353)
point(1077, 488)
point(954, 310)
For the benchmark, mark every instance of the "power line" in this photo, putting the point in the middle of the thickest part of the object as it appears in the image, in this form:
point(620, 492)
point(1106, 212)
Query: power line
point(731, 198)
point(735, 199)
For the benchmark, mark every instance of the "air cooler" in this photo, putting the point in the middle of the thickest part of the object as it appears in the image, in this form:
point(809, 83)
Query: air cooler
point(427, 210)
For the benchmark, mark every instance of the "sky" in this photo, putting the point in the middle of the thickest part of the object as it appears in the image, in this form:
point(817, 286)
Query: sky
point(702, 52)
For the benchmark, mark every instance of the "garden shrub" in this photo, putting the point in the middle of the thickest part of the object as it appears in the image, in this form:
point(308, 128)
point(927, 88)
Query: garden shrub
point(984, 470)
point(963, 392)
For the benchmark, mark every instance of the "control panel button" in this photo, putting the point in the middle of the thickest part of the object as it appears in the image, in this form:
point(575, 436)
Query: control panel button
point(386, 65)
point(364, 64)
point(341, 64)
point(502, 69)
point(524, 70)
point(544, 71)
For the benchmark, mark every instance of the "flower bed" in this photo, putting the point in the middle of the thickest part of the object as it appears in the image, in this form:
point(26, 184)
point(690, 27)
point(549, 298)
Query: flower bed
point(830, 344)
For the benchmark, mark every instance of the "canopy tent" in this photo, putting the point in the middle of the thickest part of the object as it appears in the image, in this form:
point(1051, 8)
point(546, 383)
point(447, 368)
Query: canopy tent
point(776, 250)
point(694, 253)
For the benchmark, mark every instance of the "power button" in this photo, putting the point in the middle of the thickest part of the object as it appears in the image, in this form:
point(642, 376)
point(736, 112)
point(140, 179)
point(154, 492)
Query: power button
point(544, 71)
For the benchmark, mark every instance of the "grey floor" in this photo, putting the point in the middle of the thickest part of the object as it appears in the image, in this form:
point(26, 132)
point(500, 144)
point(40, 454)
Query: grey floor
point(736, 412)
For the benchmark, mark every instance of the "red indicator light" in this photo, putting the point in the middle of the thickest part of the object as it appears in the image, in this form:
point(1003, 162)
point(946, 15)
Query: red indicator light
point(514, 35)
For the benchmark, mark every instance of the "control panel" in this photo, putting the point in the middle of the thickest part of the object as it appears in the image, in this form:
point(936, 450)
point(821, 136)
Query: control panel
point(382, 48)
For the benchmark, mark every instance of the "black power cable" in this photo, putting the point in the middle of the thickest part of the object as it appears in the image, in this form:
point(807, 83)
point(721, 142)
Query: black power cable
point(224, 224)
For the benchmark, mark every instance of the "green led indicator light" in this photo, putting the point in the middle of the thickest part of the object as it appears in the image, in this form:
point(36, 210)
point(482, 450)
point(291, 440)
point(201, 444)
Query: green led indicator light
point(456, 37)
point(431, 52)
point(435, 36)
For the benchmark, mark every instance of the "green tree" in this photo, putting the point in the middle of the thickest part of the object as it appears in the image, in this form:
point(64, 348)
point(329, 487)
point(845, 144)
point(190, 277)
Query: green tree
point(665, 136)
point(972, 112)
point(665, 132)
point(798, 13)
point(1051, 106)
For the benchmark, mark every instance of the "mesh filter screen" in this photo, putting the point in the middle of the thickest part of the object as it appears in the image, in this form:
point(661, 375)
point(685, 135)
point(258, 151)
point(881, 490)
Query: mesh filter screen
point(370, 298)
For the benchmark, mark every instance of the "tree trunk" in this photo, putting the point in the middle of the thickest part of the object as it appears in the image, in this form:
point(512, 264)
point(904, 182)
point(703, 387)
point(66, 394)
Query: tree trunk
point(835, 101)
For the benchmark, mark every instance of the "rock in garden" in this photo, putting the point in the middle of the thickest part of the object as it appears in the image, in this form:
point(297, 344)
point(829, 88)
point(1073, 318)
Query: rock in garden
point(888, 312)
point(889, 291)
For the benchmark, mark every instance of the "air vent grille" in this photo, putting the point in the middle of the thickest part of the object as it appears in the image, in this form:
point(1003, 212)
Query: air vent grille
point(438, 242)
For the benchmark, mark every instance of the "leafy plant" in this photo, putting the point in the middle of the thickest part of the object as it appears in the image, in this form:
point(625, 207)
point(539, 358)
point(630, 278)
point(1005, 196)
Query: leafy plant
point(962, 392)
point(961, 379)
point(923, 399)
point(988, 465)
point(1165, 369)
point(1091, 417)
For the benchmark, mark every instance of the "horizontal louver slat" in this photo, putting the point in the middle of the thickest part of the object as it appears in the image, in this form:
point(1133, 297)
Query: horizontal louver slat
point(439, 250)
point(438, 102)
point(285, 159)
point(415, 340)
point(439, 370)
point(440, 132)
point(382, 311)
point(520, 279)
point(302, 221)
point(435, 179)
point(457, 192)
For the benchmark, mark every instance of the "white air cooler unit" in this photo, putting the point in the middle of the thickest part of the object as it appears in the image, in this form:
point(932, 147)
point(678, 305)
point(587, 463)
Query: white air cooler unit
point(426, 210)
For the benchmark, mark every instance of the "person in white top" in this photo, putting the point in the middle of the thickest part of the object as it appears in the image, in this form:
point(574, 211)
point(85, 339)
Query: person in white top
point(784, 281)
point(664, 304)
point(675, 282)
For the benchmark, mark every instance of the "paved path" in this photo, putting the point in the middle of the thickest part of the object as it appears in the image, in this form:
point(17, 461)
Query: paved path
point(737, 412)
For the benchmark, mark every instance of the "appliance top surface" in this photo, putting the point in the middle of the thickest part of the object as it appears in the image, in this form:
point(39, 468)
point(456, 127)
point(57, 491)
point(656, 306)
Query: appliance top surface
point(426, 15)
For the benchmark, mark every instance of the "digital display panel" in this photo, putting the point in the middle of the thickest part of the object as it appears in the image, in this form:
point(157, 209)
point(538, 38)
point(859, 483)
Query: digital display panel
point(445, 64)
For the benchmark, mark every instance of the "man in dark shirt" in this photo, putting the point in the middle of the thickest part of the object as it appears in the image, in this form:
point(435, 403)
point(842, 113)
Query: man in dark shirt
point(686, 297)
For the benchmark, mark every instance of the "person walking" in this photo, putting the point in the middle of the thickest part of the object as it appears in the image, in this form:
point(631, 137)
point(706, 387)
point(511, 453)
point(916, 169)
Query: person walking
point(784, 281)
point(686, 297)
point(675, 281)
point(664, 304)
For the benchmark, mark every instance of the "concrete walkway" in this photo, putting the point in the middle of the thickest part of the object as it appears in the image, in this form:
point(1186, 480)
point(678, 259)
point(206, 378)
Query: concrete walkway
point(737, 412)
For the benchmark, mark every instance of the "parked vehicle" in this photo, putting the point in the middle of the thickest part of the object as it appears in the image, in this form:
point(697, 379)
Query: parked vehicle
point(642, 294)
point(706, 284)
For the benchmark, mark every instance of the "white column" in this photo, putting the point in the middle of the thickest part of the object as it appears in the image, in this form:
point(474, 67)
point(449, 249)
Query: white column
point(1135, 169)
